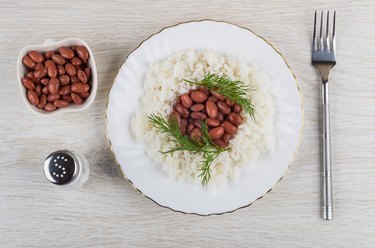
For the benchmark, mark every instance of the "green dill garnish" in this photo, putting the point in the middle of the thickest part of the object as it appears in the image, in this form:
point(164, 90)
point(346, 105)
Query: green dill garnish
point(235, 90)
point(206, 148)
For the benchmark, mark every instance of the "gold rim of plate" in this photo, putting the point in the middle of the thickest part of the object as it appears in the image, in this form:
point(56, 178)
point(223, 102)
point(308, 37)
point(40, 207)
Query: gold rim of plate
point(291, 160)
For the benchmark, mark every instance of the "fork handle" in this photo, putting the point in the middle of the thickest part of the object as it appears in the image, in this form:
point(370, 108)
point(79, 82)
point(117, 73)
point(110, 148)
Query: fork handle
point(326, 145)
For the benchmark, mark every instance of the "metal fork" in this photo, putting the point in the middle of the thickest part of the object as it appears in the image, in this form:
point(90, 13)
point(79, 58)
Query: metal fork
point(324, 59)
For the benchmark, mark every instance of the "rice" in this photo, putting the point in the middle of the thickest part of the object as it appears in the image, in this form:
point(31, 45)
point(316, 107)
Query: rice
point(164, 83)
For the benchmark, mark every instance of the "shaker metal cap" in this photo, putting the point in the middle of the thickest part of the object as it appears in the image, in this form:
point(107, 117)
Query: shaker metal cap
point(61, 167)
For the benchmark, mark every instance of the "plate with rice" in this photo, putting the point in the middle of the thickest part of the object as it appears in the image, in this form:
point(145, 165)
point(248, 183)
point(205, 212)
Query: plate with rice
point(204, 117)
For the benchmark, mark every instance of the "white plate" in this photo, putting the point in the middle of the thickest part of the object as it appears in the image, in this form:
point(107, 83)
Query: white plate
point(124, 100)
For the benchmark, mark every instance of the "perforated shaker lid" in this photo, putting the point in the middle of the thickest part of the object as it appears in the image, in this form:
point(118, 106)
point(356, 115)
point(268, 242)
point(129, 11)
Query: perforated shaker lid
point(61, 167)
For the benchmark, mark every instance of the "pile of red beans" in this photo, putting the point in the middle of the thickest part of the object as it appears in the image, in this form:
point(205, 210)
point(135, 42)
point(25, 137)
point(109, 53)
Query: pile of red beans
point(221, 115)
point(55, 79)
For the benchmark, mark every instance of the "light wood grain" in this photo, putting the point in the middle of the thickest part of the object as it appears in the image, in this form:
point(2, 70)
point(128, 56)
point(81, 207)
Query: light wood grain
point(108, 211)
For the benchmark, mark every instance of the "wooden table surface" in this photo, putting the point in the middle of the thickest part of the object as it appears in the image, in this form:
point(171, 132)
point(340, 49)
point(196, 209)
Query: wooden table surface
point(108, 211)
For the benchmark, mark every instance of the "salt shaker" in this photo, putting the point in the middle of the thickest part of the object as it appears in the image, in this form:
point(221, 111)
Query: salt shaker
point(66, 168)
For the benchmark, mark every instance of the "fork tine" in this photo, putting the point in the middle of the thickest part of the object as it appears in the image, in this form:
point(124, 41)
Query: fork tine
point(314, 34)
point(326, 43)
point(334, 31)
point(321, 32)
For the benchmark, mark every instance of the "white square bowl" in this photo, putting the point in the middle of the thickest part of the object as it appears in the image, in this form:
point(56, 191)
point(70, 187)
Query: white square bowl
point(51, 45)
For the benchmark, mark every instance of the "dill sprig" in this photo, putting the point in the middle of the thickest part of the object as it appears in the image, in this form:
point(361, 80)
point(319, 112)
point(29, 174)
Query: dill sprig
point(235, 90)
point(206, 148)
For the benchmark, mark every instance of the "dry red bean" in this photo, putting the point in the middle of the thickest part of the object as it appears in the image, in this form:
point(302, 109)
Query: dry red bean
point(58, 59)
point(38, 89)
point(205, 90)
point(70, 69)
point(175, 115)
point(60, 103)
point(190, 127)
point(237, 108)
point(216, 133)
point(48, 54)
point(42, 101)
point(229, 127)
point(61, 69)
point(185, 100)
point(53, 85)
point(49, 107)
point(65, 90)
point(211, 109)
point(44, 81)
point(45, 90)
point(220, 117)
point(230, 102)
point(197, 107)
point(38, 66)
point(82, 76)
point(218, 96)
point(220, 143)
point(28, 62)
point(88, 72)
point(36, 56)
point(183, 125)
point(53, 97)
point(212, 122)
point(223, 107)
point(84, 94)
point(198, 123)
point(198, 115)
point(66, 52)
point(73, 47)
point(28, 83)
point(30, 75)
point(182, 110)
point(196, 134)
point(76, 98)
point(33, 97)
point(226, 137)
point(64, 79)
point(82, 52)
point(51, 68)
point(76, 61)
point(212, 98)
point(80, 87)
point(85, 61)
point(236, 119)
point(68, 98)
point(198, 96)
point(74, 80)
point(40, 72)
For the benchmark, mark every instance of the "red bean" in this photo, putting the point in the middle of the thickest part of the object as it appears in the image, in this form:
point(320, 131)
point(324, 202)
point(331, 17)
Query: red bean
point(218, 96)
point(197, 107)
point(236, 119)
point(237, 108)
point(212, 122)
point(196, 134)
point(229, 127)
point(198, 96)
point(28, 83)
point(182, 110)
point(198, 115)
point(211, 109)
point(186, 100)
point(223, 107)
point(216, 133)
